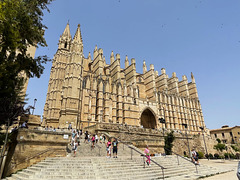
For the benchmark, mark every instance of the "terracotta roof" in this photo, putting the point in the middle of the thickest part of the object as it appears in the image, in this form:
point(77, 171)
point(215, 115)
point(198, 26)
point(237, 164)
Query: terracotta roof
point(227, 128)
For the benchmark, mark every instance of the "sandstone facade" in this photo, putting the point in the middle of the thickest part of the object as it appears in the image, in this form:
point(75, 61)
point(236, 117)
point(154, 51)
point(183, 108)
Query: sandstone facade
point(33, 145)
point(86, 90)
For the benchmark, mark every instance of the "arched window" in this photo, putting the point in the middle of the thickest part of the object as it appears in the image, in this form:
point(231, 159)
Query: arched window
point(65, 45)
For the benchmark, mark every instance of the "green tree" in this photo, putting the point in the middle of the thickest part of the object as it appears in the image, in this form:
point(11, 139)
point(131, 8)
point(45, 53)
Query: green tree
point(218, 140)
point(169, 143)
point(219, 147)
point(235, 148)
point(20, 27)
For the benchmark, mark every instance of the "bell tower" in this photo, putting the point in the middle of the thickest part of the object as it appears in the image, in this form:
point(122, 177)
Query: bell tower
point(52, 106)
point(72, 85)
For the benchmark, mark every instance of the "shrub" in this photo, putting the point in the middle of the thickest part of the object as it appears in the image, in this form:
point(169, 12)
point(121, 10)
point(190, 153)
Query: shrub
point(210, 156)
point(200, 155)
point(226, 155)
point(169, 142)
point(232, 156)
point(221, 157)
point(216, 156)
point(234, 148)
point(207, 156)
point(219, 147)
point(218, 140)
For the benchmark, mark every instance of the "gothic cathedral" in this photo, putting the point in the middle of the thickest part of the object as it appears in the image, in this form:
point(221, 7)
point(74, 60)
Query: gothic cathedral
point(84, 91)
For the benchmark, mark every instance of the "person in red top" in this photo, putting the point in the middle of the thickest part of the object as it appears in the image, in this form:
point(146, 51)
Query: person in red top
point(147, 153)
point(109, 148)
point(93, 141)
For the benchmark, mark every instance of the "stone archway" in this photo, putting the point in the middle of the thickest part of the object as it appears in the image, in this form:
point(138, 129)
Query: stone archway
point(148, 119)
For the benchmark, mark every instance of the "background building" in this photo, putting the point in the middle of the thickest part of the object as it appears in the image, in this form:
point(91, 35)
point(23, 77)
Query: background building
point(85, 91)
point(228, 135)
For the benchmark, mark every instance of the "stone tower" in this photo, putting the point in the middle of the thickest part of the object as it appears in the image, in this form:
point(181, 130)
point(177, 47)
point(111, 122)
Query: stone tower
point(85, 91)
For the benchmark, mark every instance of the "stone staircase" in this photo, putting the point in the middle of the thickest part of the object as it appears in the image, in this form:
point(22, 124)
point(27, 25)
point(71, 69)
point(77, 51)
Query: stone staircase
point(85, 150)
point(92, 164)
point(105, 168)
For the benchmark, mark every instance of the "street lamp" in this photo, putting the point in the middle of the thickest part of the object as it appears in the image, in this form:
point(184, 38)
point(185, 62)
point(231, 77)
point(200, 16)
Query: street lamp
point(202, 128)
point(35, 100)
point(185, 125)
point(162, 121)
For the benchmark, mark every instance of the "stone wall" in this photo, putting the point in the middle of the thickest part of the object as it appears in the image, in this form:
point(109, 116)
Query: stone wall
point(32, 146)
point(140, 137)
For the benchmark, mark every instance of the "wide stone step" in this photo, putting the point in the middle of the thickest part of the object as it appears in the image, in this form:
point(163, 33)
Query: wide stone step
point(89, 165)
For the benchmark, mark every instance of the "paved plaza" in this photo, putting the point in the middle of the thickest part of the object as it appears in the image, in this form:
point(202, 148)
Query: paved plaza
point(230, 165)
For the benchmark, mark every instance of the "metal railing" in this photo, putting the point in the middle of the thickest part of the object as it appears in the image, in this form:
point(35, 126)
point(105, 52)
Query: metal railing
point(178, 155)
point(144, 156)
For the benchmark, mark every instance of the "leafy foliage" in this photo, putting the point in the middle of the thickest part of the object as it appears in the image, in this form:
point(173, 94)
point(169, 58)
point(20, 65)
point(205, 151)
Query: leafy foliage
point(200, 154)
point(209, 155)
point(235, 148)
point(20, 28)
point(169, 143)
point(218, 140)
point(216, 156)
point(219, 147)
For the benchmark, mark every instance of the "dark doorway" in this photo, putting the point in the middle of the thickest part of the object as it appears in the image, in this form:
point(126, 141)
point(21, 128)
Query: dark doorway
point(148, 119)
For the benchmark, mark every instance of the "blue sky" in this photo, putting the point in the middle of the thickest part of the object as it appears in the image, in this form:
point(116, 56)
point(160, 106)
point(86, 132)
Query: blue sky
point(182, 36)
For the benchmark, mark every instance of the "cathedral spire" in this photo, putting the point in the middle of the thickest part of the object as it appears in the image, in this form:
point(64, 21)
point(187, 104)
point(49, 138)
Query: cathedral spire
point(65, 39)
point(77, 44)
point(66, 33)
point(78, 37)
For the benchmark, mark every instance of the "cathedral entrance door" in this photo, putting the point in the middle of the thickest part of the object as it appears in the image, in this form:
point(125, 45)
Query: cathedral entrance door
point(148, 119)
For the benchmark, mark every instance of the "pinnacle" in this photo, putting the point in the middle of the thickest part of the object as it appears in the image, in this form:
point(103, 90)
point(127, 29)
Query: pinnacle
point(66, 32)
point(112, 54)
point(126, 59)
point(78, 36)
point(96, 48)
point(89, 55)
point(192, 77)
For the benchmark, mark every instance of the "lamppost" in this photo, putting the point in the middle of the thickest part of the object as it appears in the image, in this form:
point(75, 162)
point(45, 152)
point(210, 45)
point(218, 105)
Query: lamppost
point(35, 100)
point(163, 121)
point(185, 125)
point(202, 128)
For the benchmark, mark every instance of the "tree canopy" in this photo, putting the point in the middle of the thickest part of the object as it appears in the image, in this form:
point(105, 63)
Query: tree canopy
point(169, 142)
point(20, 27)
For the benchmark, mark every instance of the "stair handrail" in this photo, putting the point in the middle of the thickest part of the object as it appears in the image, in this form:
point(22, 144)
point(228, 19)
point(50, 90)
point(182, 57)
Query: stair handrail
point(144, 156)
point(178, 155)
